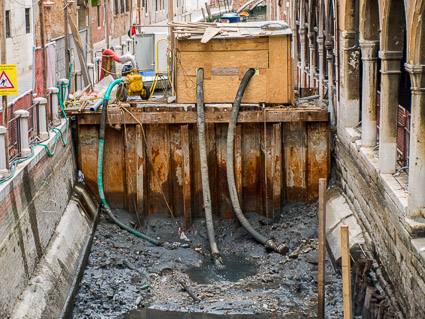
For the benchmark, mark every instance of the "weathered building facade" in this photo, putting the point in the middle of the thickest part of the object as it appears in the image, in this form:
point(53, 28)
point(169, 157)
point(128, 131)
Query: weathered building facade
point(367, 58)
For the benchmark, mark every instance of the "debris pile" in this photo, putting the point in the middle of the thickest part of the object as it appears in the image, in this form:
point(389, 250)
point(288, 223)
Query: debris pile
point(125, 274)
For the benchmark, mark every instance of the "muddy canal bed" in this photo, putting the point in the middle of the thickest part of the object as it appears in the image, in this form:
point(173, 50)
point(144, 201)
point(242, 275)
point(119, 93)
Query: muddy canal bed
point(127, 277)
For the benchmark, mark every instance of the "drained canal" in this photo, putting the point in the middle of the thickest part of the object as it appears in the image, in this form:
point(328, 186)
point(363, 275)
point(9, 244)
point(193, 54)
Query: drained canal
point(127, 277)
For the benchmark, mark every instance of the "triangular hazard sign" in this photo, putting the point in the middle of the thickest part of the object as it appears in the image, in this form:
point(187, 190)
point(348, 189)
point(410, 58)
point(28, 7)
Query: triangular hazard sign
point(5, 82)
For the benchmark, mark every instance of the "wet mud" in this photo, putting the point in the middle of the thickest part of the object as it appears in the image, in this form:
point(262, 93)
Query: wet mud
point(127, 277)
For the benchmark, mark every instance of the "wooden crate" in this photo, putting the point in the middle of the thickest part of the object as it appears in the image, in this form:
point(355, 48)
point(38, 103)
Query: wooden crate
point(225, 62)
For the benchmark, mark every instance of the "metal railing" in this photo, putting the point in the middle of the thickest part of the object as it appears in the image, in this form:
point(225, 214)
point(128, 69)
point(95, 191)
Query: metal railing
point(14, 138)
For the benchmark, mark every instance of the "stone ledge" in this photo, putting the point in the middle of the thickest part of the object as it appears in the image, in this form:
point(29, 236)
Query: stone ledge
point(50, 284)
point(39, 154)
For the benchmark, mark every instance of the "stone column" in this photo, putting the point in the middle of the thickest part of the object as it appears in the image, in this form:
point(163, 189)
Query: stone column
point(42, 119)
point(349, 114)
point(302, 54)
point(331, 75)
point(369, 87)
point(320, 47)
point(3, 153)
point(55, 104)
point(312, 47)
point(23, 130)
point(390, 78)
point(416, 201)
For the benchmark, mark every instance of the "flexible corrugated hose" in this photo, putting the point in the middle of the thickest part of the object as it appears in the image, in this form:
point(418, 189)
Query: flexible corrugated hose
point(268, 243)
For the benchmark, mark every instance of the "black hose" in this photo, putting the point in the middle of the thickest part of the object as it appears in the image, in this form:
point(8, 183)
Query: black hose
point(268, 243)
point(204, 166)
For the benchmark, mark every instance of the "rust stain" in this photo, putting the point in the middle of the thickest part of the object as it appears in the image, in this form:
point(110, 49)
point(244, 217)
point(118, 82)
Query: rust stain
point(297, 156)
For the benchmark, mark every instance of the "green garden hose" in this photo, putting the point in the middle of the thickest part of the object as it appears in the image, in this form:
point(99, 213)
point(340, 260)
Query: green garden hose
point(100, 168)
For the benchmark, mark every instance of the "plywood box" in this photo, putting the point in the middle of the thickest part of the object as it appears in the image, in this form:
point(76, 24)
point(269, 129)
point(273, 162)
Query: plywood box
point(225, 61)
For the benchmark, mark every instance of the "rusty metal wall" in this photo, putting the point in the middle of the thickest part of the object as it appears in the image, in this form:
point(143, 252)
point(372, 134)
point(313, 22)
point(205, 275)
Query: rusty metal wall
point(281, 163)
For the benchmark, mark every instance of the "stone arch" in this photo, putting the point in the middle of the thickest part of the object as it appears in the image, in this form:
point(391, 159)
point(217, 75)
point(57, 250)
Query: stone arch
point(350, 16)
point(416, 48)
point(369, 22)
point(393, 25)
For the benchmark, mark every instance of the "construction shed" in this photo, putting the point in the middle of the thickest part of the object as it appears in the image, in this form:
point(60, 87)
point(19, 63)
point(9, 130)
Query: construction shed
point(225, 58)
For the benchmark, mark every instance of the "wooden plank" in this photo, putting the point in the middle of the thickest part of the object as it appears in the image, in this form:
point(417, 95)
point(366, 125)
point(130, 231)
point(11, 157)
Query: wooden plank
point(210, 33)
point(346, 273)
point(225, 205)
point(88, 163)
point(218, 116)
point(238, 165)
point(113, 168)
point(224, 45)
point(223, 89)
point(277, 84)
point(176, 169)
point(322, 251)
point(228, 59)
point(197, 196)
point(207, 71)
point(187, 200)
point(140, 173)
point(159, 151)
point(267, 170)
point(277, 166)
point(130, 166)
point(212, 164)
point(318, 164)
point(295, 152)
point(252, 199)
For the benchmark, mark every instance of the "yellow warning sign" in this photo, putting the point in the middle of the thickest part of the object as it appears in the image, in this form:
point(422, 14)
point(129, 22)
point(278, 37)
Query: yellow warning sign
point(8, 79)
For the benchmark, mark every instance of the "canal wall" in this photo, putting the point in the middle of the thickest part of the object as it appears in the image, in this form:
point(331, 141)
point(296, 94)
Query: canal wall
point(32, 205)
point(379, 203)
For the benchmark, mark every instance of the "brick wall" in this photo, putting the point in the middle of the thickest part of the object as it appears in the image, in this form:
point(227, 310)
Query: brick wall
point(31, 206)
point(382, 218)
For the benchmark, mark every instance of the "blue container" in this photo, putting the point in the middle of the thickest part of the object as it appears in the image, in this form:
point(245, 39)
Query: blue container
point(232, 17)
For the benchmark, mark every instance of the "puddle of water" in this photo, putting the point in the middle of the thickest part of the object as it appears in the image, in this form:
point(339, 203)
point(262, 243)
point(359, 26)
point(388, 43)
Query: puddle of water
point(233, 269)
point(147, 313)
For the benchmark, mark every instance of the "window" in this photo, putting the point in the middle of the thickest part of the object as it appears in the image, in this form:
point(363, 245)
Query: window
point(127, 9)
point(157, 5)
point(27, 20)
point(116, 9)
point(8, 35)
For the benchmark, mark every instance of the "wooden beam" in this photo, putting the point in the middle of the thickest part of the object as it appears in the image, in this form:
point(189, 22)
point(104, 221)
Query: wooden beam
point(187, 199)
point(346, 273)
point(140, 171)
point(211, 116)
point(277, 166)
point(78, 44)
point(322, 247)
point(238, 164)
